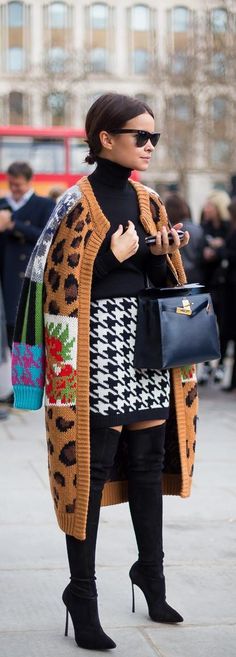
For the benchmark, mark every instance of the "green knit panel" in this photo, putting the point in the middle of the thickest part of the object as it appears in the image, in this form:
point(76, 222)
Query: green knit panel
point(39, 313)
point(25, 321)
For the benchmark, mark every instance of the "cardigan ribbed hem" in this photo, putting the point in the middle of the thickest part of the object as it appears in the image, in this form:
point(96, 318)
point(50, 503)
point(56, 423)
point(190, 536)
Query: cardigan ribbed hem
point(116, 492)
point(27, 397)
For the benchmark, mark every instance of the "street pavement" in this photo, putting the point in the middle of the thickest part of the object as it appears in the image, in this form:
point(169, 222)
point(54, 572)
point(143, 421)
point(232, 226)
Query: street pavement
point(199, 539)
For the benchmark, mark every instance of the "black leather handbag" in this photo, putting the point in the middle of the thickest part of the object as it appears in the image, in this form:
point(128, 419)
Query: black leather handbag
point(175, 327)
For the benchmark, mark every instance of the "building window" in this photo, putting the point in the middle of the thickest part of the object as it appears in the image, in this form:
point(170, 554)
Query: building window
point(57, 15)
point(218, 64)
point(219, 109)
point(220, 151)
point(56, 104)
point(99, 16)
point(141, 60)
point(15, 14)
point(140, 18)
point(219, 20)
point(180, 19)
point(17, 108)
point(16, 59)
point(98, 60)
point(182, 108)
point(179, 63)
point(56, 60)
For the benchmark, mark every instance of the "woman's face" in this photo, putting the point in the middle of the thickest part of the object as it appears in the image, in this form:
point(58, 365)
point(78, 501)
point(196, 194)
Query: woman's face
point(122, 148)
point(210, 212)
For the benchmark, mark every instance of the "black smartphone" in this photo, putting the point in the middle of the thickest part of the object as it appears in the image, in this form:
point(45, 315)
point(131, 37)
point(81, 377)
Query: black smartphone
point(151, 239)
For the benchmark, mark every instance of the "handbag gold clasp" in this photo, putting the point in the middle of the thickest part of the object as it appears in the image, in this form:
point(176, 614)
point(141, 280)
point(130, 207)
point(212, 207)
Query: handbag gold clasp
point(186, 309)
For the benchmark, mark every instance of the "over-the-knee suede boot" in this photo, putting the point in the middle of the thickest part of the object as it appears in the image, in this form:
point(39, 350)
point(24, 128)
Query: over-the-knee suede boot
point(146, 454)
point(80, 596)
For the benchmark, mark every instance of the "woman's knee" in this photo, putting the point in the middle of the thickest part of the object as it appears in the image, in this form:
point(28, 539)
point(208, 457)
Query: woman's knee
point(145, 424)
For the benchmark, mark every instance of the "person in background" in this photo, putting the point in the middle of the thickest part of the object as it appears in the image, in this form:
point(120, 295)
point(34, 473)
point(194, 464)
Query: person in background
point(225, 257)
point(215, 223)
point(23, 215)
point(179, 211)
point(5, 363)
point(56, 192)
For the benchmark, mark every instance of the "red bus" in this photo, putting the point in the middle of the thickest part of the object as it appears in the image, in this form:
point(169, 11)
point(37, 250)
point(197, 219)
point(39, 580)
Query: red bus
point(55, 154)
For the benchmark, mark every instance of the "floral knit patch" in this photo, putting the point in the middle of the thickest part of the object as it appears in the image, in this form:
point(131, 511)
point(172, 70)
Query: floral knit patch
point(28, 365)
point(61, 350)
point(188, 373)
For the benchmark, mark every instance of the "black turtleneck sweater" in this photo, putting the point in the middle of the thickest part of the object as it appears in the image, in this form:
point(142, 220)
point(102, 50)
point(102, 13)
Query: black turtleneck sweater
point(119, 202)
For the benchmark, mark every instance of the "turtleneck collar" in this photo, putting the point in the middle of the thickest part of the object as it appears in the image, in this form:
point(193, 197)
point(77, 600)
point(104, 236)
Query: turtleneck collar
point(110, 174)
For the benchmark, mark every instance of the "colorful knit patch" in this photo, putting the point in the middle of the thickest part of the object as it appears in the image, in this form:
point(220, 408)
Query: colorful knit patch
point(188, 373)
point(61, 351)
point(28, 365)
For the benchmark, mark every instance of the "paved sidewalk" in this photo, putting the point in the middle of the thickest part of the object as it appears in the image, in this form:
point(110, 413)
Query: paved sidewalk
point(200, 542)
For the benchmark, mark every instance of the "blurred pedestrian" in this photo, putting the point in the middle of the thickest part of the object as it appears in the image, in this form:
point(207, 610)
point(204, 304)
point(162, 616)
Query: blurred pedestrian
point(215, 223)
point(106, 420)
point(225, 256)
point(5, 361)
point(192, 256)
point(23, 215)
point(56, 192)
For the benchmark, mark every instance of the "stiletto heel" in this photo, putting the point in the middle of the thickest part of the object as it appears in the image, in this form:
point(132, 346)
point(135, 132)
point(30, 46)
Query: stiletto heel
point(153, 588)
point(133, 600)
point(67, 622)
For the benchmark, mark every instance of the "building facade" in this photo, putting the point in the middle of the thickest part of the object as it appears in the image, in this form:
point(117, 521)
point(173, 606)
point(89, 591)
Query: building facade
point(58, 57)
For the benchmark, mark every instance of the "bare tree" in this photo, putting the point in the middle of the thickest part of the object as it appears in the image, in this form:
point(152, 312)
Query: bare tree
point(197, 83)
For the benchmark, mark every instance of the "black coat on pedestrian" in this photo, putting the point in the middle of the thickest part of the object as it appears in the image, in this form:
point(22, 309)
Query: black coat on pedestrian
point(226, 268)
point(16, 247)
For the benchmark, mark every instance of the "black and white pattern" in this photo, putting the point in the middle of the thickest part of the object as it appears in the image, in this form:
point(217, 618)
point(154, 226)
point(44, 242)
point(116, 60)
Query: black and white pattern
point(117, 389)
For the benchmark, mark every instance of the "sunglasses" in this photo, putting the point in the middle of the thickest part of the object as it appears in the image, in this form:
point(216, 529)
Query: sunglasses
point(141, 136)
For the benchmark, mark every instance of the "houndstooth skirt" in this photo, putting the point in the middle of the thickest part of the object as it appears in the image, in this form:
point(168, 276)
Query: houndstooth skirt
point(120, 393)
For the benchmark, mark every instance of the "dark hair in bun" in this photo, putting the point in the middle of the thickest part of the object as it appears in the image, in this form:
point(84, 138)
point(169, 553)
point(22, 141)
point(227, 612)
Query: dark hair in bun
point(110, 112)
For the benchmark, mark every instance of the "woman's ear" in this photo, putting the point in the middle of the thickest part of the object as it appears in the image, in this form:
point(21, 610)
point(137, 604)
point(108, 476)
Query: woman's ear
point(106, 140)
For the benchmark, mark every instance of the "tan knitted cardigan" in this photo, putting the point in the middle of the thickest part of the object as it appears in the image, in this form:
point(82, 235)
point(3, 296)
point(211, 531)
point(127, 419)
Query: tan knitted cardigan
point(67, 283)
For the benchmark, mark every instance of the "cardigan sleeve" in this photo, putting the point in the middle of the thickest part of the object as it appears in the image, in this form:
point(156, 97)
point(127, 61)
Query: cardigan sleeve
point(28, 353)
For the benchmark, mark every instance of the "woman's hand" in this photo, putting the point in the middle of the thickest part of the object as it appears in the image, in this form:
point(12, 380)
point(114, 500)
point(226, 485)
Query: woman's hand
point(124, 244)
point(162, 245)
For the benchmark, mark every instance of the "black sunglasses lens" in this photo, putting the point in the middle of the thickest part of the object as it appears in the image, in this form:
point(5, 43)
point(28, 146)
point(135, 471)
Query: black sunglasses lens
point(155, 138)
point(142, 137)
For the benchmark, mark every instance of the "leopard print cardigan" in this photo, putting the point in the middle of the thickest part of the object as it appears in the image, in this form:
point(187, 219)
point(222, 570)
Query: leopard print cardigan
point(66, 291)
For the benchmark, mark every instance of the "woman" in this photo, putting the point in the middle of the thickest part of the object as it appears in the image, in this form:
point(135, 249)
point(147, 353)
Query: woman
point(214, 220)
point(225, 257)
point(105, 420)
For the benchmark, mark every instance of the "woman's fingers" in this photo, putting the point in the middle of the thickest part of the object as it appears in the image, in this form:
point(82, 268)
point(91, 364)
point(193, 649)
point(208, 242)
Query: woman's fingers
point(176, 239)
point(165, 240)
point(185, 239)
point(177, 226)
point(163, 246)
